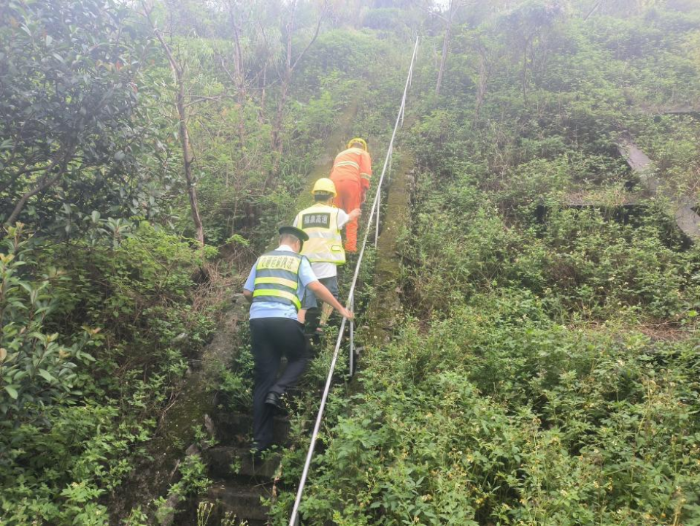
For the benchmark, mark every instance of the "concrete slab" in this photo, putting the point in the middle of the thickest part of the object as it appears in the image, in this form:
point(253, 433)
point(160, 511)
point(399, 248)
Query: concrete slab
point(682, 208)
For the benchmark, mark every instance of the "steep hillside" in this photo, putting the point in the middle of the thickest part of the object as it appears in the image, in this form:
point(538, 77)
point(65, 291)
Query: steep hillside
point(547, 370)
point(527, 323)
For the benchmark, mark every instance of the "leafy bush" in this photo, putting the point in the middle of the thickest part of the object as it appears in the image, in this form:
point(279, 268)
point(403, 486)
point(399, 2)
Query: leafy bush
point(79, 404)
point(500, 415)
point(57, 470)
point(35, 369)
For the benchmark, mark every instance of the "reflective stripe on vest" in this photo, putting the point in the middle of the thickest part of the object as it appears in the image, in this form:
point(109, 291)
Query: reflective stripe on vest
point(274, 295)
point(277, 281)
point(277, 278)
point(345, 158)
point(325, 245)
point(348, 163)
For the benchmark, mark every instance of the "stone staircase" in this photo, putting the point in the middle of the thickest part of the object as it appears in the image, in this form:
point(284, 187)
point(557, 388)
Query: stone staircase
point(240, 482)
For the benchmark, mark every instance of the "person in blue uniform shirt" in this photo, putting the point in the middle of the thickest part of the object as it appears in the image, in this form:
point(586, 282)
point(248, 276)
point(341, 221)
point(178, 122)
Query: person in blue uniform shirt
point(275, 287)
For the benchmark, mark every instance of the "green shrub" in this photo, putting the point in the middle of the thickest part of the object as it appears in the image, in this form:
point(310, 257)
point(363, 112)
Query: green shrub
point(94, 348)
point(499, 415)
point(36, 369)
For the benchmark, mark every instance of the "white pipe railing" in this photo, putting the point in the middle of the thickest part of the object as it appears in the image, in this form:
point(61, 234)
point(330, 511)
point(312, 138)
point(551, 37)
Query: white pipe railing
point(294, 518)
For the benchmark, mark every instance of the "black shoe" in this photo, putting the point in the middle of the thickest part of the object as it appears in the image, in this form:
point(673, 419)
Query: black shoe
point(273, 399)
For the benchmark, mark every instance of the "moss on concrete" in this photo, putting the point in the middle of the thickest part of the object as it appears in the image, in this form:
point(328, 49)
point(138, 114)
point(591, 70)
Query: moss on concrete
point(386, 307)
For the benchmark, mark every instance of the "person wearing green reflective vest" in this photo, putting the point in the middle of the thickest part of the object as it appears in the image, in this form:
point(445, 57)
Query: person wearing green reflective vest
point(275, 287)
point(322, 222)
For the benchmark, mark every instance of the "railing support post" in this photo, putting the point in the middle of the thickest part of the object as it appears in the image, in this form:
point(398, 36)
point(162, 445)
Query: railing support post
point(351, 358)
point(376, 229)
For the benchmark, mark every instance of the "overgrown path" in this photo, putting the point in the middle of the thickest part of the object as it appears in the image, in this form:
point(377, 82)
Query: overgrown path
point(239, 484)
point(195, 405)
point(335, 143)
point(682, 208)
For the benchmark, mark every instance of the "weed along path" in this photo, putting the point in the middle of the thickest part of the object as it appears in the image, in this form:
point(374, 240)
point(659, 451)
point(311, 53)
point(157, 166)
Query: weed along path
point(336, 142)
point(176, 437)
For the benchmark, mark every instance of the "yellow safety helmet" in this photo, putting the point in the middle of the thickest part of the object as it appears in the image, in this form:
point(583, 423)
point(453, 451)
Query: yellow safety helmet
point(324, 185)
point(360, 140)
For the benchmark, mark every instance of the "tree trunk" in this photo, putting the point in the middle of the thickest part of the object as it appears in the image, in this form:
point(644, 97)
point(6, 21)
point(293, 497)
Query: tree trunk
point(277, 144)
point(443, 58)
point(262, 94)
point(446, 45)
point(286, 78)
point(239, 76)
point(595, 8)
point(524, 73)
point(483, 83)
point(45, 182)
point(187, 156)
point(284, 89)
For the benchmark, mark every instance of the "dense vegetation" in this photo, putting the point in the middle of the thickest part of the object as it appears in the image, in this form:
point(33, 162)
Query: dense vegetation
point(106, 294)
point(548, 371)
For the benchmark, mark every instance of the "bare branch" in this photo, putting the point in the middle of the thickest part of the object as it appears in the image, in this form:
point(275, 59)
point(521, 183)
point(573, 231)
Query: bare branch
point(181, 106)
point(44, 183)
point(163, 43)
point(267, 46)
point(202, 98)
point(321, 18)
point(595, 8)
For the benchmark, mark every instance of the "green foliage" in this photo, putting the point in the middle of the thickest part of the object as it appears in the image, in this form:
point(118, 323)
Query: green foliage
point(500, 415)
point(80, 417)
point(56, 470)
point(338, 53)
point(583, 261)
point(671, 141)
point(387, 19)
point(69, 85)
point(236, 383)
point(35, 369)
point(193, 482)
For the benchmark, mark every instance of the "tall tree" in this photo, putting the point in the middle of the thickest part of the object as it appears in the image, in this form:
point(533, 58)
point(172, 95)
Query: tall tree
point(179, 71)
point(525, 27)
point(239, 19)
point(286, 73)
point(449, 20)
point(484, 70)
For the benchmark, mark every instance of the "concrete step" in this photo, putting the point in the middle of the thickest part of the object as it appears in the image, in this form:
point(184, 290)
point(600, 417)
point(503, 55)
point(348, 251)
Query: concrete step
point(236, 429)
point(241, 501)
point(227, 462)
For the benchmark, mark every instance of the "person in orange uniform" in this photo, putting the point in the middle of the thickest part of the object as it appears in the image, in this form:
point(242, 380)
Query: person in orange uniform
point(352, 170)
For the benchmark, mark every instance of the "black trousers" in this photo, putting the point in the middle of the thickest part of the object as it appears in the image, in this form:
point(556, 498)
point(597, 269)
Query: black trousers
point(273, 338)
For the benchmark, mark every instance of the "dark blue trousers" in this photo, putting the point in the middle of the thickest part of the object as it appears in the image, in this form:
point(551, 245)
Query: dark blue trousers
point(273, 338)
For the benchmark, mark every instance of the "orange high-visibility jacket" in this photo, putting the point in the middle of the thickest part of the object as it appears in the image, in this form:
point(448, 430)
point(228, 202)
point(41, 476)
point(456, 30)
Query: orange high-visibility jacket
point(353, 163)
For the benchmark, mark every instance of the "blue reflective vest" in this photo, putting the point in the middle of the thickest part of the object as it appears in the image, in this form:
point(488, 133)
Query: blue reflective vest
point(277, 278)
